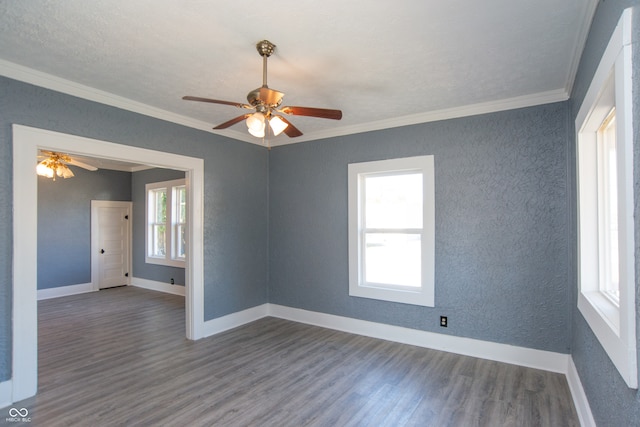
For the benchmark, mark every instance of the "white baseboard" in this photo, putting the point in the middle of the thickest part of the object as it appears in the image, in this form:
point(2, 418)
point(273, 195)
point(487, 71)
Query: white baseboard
point(579, 397)
point(64, 291)
point(233, 320)
point(538, 359)
point(6, 394)
point(158, 286)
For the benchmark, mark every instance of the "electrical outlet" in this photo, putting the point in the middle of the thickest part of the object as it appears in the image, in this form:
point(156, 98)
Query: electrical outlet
point(443, 321)
point(173, 282)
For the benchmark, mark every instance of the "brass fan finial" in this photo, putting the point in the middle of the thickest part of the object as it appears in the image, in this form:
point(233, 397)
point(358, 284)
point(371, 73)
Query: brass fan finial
point(265, 48)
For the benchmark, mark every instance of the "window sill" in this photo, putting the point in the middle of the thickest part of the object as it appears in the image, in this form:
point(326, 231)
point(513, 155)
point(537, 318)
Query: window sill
point(603, 307)
point(603, 317)
point(165, 262)
point(418, 296)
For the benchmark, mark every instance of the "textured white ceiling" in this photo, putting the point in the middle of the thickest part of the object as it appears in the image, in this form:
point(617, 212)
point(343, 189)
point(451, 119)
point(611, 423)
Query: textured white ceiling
point(382, 63)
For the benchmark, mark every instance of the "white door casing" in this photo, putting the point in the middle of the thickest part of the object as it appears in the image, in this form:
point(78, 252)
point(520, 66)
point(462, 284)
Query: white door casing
point(110, 243)
point(26, 142)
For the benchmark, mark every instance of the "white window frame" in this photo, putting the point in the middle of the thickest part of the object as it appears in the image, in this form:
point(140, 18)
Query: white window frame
point(613, 324)
point(170, 258)
point(357, 172)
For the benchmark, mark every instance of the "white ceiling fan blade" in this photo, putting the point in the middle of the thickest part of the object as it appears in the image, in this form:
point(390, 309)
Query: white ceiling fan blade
point(82, 165)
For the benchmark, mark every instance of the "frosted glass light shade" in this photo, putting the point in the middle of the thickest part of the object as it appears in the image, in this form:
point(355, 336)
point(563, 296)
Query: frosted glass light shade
point(44, 170)
point(64, 171)
point(255, 121)
point(258, 133)
point(277, 125)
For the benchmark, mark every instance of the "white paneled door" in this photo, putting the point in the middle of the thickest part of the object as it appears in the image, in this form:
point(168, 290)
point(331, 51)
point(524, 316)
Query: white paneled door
point(110, 243)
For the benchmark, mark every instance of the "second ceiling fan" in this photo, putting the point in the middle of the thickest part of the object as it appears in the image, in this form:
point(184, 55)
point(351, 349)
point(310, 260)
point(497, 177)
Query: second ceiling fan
point(266, 103)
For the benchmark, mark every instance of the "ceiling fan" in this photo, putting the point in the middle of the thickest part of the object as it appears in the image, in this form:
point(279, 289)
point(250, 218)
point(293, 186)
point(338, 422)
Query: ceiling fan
point(266, 103)
point(56, 164)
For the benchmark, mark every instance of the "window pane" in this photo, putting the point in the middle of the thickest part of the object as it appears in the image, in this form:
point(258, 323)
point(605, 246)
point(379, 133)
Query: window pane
point(161, 206)
point(393, 259)
point(609, 185)
point(181, 240)
point(181, 204)
point(393, 201)
point(159, 240)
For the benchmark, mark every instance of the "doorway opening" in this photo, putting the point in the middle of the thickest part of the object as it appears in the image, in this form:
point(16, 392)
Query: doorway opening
point(26, 143)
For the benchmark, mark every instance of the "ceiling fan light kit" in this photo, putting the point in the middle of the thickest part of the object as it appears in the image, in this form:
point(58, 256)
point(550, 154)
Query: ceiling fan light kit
point(266, 103)
point(54, 166)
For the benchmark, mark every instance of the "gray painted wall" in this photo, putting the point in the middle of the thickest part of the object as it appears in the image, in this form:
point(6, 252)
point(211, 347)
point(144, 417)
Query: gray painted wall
point(64, 223)
point(501, 226)
point(235, 193)
point(612, 402)
point(141, 269)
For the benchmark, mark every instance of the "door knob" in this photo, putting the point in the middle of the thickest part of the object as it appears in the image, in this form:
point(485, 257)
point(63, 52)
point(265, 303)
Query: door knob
point(101, 251)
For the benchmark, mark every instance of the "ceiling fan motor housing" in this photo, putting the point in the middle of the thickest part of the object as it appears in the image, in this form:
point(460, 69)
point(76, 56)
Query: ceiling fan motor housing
point(263, 96)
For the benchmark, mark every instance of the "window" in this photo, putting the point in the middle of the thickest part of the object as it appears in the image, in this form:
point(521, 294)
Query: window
point(158, 222)
point(391, 230)
point(606, 273)
point(166, 223)
point(608, 208)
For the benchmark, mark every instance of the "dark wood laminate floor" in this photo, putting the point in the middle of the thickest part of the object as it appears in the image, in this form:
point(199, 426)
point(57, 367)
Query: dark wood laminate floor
point(119, 357)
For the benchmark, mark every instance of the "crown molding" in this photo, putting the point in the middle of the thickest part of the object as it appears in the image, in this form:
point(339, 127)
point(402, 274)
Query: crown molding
point(581, 40)
point(531, 100)
point(58, 84)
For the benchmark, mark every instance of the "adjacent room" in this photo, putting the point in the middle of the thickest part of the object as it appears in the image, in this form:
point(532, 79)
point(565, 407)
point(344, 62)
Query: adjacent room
point(411, 214)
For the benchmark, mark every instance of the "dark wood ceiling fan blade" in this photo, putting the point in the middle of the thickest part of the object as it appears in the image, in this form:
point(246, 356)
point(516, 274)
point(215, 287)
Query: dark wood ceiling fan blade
point(215, 101)
point(291, 131)
point(322, 113)
point(232, 121)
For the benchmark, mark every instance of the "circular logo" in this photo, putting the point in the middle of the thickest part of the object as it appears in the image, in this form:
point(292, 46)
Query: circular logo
point(22, 412)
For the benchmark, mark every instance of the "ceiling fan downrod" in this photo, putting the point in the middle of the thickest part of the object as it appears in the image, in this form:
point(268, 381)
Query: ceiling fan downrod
point(265, 49)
